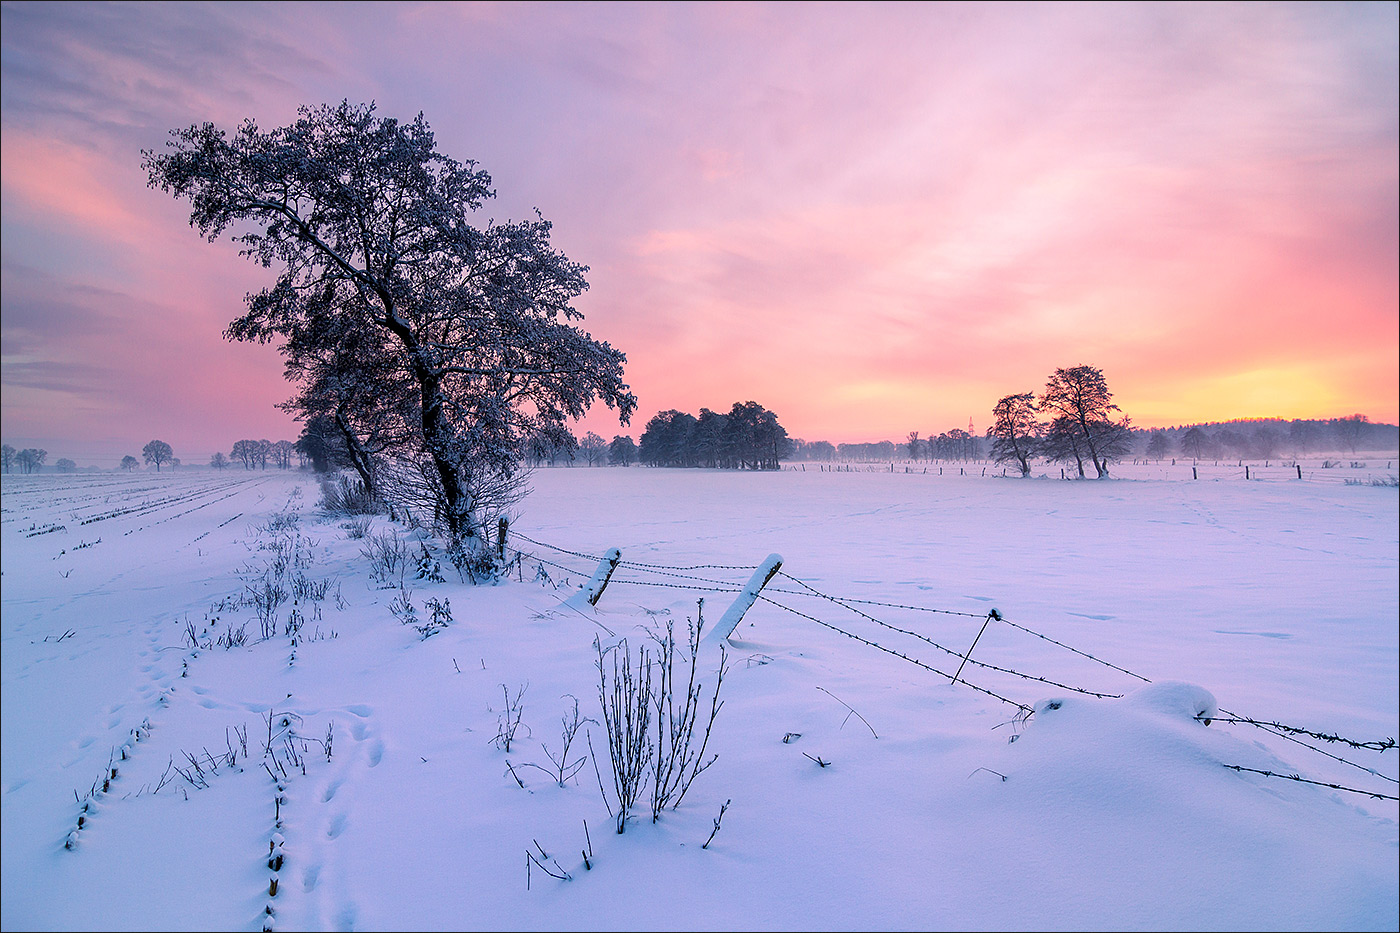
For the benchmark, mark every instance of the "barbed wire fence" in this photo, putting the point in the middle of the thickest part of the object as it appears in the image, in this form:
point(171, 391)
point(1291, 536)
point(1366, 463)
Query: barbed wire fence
point(687, 577)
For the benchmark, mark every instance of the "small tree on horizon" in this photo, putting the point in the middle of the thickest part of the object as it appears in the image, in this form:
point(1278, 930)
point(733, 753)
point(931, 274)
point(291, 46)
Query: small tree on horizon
point(7, 456)
point(1015, 431)
point(157, 452)
point(593, 448)
point(1351, 429)
point(130, 463)
point(622, 451)
point(1081, 396)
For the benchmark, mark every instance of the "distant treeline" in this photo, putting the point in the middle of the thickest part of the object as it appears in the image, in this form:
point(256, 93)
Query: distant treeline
point(1266, 438)
point(955, 444)
point(1252, 438)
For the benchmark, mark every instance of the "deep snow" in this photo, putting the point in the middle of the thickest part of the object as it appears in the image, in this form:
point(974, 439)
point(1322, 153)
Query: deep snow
point(940, 807)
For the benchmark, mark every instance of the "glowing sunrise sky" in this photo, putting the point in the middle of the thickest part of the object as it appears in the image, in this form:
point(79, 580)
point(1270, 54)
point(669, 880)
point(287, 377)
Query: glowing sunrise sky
point(872, 219)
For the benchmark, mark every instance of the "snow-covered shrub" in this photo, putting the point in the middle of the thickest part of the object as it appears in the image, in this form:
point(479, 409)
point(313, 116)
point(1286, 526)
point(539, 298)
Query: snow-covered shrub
point(561, 768)
point(387, 555)
point(357, 528)
point(650, 713)
point(347, 495)
point(428, 567)
point(474, 559)
point(508, 722)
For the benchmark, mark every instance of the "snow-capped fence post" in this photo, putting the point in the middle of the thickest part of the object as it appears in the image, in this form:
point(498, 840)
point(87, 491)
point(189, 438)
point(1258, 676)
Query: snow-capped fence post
point(1300, 470)
point(987, 621)
point(593, 589)
point(746, 598)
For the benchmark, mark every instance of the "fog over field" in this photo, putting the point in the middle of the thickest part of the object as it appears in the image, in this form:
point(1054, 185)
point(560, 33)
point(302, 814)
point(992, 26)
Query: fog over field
point(962, 702)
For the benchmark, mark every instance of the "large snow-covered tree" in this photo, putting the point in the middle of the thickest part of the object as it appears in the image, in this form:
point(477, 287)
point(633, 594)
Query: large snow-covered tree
point(369, 227)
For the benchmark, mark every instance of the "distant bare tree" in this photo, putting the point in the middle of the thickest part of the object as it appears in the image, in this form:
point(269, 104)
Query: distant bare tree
point(1081, 395)
point(282, 453)
point(130, 463)
point(622, 451)
point(915, 445)
point(246, 452)
point(1350, 430)
point(1266, 442)
point(31, 458)
point(7, 456)
point(593, 448)
point(64, 465)
point(1063, 442)
point(1304, 436)
point(157, 452)
point(1158, 445)
point(1016, 431)
point(1195, 443)
point(219, 461)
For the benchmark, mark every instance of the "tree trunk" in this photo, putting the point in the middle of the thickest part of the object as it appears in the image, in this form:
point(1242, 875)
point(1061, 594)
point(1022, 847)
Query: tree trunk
point(359, 457)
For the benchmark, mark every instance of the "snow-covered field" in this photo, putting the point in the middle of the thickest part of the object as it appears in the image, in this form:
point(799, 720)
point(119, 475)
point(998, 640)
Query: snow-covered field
point(864, 789)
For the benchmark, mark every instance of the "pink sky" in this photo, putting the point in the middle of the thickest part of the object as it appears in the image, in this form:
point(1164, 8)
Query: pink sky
point(872, 219)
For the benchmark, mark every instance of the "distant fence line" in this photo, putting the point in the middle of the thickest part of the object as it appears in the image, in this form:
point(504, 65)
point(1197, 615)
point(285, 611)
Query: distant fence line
point(1351, 472)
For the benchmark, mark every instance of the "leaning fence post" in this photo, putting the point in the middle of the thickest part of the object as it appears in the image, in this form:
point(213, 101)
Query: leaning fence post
point(746, 598)
point(593, 589)
point(990, 616)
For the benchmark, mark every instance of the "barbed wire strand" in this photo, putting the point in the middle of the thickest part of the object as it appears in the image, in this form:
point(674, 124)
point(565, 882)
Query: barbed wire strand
point(684, 576)
point(675, 586)
point(957, 654)
point(553, 547)
point(1082, 654)
point(1296, 741)
point(1303, 780)
point(1380, 746)
point(634, 564)
point(901, 655)
point(720, 587)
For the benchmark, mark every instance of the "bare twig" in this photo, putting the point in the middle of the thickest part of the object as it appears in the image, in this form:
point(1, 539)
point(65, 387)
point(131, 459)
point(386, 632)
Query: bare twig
point(850, 714)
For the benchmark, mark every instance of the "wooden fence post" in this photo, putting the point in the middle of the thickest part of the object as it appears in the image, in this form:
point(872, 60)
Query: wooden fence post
point(746, 598)
point(593, 589)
